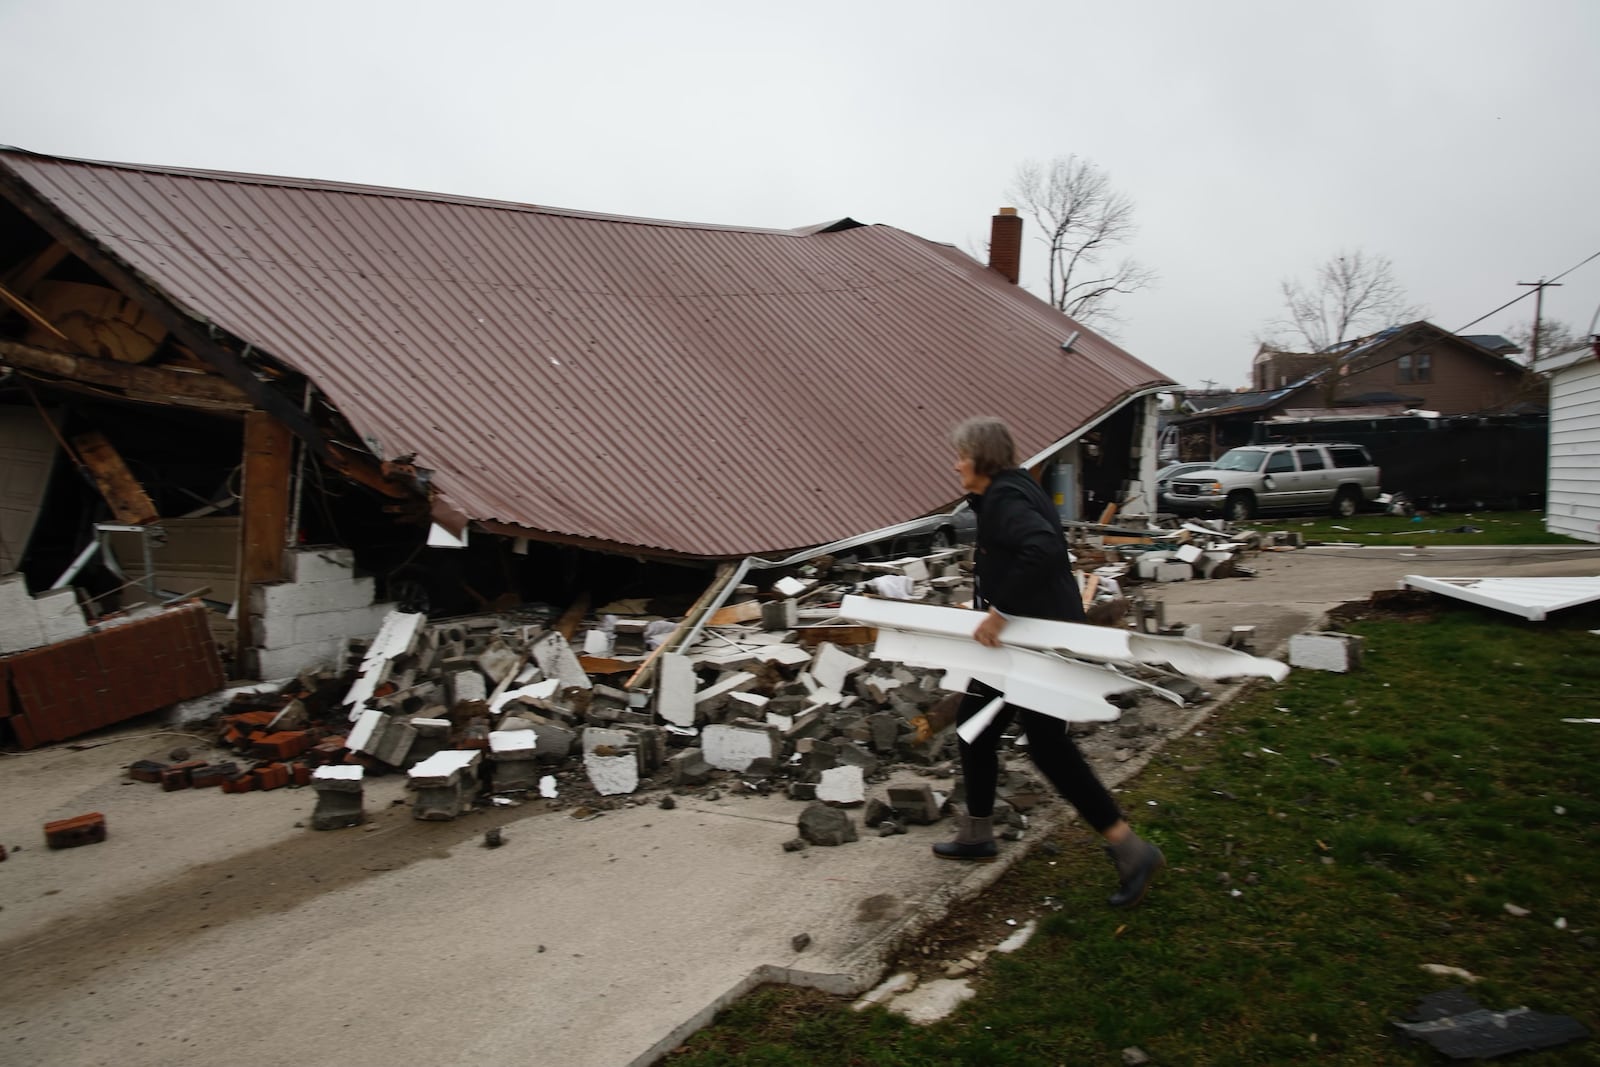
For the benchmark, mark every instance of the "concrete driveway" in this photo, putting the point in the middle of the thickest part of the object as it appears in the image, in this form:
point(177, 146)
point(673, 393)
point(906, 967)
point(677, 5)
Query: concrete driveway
point(211, 928)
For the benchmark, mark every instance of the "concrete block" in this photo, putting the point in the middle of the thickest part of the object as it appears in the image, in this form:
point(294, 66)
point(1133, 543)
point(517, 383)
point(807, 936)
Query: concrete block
point(612, 775)
point(689, 767)
point(443, 787)
point(1147, 563)
point(556, 659)
point(555, 741)
point(468, 685)
point(916, 803)
point(306, 565)
point(497, 661)
point(1326, 651)
point(291, 660)
point(20, 627)
point(322, 627)
point(842, 786)
point(60, 615)
point(832, 666)
point(675, 685)
point(394, 747)
point(445, 767)
point(339, 797)
point(597, 642)
point(1173, 571)
point(780, 615)
point(367, 731)
point(295, 598)
point(732, 747)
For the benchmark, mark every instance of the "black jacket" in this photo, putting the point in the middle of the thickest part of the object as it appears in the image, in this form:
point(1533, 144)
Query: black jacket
point(1022, 565)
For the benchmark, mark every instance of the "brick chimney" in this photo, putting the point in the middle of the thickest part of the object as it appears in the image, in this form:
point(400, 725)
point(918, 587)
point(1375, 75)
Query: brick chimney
point(1005, 244)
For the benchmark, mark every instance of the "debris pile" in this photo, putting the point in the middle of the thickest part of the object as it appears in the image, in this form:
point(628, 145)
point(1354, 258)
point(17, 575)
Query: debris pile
point(758, 690)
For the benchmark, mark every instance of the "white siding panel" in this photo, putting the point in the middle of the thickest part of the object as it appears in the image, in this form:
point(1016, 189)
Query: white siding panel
point(1573, 501)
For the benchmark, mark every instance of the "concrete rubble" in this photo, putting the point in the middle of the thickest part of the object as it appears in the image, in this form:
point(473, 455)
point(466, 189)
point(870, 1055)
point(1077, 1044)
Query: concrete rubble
point(771, 687)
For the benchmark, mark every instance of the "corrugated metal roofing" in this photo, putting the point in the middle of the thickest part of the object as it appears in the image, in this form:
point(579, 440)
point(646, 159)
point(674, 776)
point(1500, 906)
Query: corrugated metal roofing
point(695, 389)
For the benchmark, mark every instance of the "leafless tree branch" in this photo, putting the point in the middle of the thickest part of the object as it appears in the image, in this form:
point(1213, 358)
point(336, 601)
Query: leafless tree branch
point(1078, 216)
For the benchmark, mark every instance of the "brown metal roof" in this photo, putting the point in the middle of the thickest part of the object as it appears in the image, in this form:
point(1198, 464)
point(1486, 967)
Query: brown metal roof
point(683, 388)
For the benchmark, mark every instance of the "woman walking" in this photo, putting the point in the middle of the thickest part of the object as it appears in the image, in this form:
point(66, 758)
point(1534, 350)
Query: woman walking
point(1023, 569)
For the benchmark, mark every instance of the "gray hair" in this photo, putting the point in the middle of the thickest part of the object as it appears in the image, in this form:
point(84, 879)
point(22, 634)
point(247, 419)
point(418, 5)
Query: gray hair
point(986, 441)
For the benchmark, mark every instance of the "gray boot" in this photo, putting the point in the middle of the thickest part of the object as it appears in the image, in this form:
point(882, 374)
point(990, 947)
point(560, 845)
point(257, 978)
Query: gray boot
point(1137, 862)
point(974, 841)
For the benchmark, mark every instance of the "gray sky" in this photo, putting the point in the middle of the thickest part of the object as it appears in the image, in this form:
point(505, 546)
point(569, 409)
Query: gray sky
point(1257, 139)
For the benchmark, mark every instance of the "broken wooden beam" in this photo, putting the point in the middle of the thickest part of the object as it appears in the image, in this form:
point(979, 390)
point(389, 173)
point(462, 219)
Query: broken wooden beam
point(149, 381)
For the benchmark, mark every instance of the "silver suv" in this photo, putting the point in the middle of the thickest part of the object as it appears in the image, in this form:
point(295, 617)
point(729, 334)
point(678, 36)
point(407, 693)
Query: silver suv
point(1339, 478)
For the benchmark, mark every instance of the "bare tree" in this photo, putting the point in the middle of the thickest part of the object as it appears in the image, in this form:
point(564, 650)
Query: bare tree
point(1555, 338)
point(1080, 218)
point(1353, 294)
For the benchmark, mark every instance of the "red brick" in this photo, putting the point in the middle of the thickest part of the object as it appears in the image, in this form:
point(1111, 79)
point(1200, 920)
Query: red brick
point(212, 774)
point(242, 783)
point(283, 745)
point(146, 770)
point(300, 773)
point(78, 830)
point(180, 775)
point(271, 776)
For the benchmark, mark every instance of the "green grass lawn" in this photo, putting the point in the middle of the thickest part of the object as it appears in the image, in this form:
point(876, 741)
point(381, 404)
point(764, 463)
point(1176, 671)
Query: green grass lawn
point(1326, 837)
point(1436, 528)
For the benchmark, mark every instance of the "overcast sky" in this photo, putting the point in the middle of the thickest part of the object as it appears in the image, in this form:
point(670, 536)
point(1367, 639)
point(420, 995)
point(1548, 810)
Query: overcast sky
point(1458, 138)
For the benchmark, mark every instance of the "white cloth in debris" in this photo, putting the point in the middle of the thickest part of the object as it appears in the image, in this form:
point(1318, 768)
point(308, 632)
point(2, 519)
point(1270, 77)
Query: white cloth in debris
point(893, 586)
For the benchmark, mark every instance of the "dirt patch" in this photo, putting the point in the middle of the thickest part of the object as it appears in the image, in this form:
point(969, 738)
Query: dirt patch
point(1393, 605)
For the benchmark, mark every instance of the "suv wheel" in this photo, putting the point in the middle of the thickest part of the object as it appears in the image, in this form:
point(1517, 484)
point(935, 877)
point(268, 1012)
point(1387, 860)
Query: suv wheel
point(1346, 504)
point(1241, 507)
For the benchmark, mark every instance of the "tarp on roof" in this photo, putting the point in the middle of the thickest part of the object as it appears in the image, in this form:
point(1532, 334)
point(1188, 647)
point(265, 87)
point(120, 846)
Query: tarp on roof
point(674, 387)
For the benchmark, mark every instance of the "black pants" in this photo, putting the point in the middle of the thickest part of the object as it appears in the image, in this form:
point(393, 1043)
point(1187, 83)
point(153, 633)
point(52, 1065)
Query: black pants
point(1052, 751)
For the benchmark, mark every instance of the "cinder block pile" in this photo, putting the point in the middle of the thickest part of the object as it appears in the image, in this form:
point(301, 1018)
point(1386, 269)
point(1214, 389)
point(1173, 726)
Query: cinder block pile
point(776, 693)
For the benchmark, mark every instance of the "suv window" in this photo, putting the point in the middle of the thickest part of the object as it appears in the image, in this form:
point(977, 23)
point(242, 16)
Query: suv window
point(1349, 456)
point(1280, 463)
point(1310, 459)
point(1240, 459)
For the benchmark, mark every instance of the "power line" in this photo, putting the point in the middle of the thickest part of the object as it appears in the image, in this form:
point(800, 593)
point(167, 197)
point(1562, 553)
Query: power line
point(1524, 296)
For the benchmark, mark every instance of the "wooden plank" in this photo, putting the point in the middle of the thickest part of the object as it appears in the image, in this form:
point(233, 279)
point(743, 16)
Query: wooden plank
point(1089, 589)
point(642, 676)
point(1108, 514)
point(126, 497)
point(605, 664)
point(1108, 539)
point(129, 377)
point(812, 636)
point(734, 614)
point(263, 510)
point(32, 314)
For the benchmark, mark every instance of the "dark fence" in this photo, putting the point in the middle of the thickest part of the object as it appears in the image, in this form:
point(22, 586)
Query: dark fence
point(1456, 461)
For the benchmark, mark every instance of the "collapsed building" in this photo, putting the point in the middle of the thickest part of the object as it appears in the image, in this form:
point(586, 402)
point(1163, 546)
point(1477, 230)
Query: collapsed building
point(217, 382)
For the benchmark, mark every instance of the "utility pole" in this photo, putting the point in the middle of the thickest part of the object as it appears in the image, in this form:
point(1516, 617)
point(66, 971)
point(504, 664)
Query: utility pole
point(1538, 313)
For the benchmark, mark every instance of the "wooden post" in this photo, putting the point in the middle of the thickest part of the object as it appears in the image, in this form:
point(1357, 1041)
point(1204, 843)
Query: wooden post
point(263, 514)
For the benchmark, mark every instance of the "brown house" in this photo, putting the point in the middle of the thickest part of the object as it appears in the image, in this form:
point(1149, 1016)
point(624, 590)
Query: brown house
point(1417, 366)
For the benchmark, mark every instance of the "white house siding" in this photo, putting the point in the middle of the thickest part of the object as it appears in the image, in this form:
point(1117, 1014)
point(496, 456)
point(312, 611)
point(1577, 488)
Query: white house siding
point(1572, 505)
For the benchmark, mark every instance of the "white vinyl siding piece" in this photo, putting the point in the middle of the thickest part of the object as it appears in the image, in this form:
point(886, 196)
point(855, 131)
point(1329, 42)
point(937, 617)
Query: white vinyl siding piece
point(1531, 598)
point(1572, 500)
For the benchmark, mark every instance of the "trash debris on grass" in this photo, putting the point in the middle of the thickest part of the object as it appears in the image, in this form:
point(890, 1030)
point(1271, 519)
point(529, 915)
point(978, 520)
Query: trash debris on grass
point(1454, 1023)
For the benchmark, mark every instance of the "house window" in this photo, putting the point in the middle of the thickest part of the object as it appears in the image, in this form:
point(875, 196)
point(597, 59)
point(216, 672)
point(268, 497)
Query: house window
point(1416, 367)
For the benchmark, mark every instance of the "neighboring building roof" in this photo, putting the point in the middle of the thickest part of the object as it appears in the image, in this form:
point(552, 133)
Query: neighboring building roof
point(1500, 346)
point(675, 387)
point(1211, 406)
